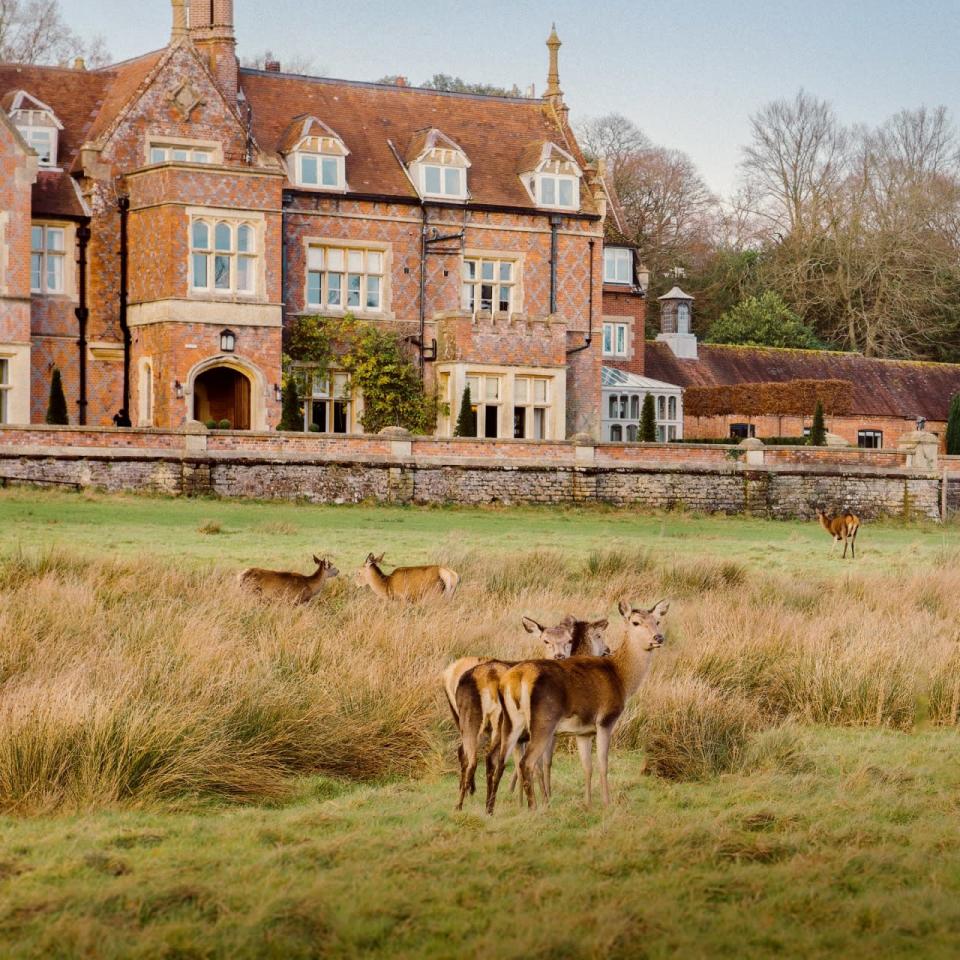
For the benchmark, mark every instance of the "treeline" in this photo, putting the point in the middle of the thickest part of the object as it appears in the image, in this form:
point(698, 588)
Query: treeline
point(838, 236)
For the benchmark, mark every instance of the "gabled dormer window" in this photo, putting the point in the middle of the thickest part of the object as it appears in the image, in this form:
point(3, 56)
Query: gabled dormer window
point(437, 166)
point(552, 177)
point(38, 125)
point(316, 155)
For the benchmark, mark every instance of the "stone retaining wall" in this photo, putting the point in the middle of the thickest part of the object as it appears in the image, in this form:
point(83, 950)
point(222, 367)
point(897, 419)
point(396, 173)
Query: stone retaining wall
point(400, 471)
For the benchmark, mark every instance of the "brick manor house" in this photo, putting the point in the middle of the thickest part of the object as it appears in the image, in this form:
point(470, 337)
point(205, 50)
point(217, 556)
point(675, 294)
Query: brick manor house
point(163, 218)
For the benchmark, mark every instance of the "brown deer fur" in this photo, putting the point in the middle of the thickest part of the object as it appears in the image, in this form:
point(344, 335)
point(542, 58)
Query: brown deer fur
point(582, 696)
point(407, 583)
point(476, 702)
point(842, 528)
point(297, 587)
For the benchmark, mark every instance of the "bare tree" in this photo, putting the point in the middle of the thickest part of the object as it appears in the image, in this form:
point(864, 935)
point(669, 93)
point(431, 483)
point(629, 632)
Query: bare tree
point(797, 156)
point(33, 31)
point(615, 140)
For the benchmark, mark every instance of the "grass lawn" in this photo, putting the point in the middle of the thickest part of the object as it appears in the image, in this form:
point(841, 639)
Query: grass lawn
point(846, 845)
point(288, 534)
point(858, 856)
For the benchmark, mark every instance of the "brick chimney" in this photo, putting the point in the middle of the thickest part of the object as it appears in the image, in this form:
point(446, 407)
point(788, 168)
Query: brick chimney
point(272, 66)
point(211, 29)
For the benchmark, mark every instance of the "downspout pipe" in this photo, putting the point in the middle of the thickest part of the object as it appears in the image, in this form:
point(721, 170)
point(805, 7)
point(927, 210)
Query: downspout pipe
point(589, 337)
point(423, 288)
point(555, 222)
point(83, 315)
point(124, 205)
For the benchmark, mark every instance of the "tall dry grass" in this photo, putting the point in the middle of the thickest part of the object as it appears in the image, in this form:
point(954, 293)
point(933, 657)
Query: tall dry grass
point(138, 681)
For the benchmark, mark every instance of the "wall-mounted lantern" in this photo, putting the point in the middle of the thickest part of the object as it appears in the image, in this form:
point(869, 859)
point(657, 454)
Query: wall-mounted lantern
point(178, 389)
point(277, 392)
point(228, 341)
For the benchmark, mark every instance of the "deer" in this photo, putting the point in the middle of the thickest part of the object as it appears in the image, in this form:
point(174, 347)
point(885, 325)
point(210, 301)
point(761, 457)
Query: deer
point(472, 687)
point(842, 528)
point(279, 585)
point(407, 583)
point(582, 696)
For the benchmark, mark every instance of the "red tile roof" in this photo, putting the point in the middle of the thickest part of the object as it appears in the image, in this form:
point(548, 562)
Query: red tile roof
point(55, 195)
point(883, 388)
point(494, 132)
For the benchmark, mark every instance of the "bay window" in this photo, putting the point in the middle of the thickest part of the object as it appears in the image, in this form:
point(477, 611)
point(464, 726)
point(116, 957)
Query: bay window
point(489, 285)
point(485, 401)
point(223, 257)
point(345, 279)
point(531, 407)
point(47, 252)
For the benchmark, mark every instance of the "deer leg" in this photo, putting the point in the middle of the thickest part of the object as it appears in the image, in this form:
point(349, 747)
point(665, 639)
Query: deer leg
point(853, 545)
point(468, 765)
point(510, 733)
point(604, 734)
point(544, 769)
point(585, 749)
point(493, 749)
point(844, 557)
point(530, 762)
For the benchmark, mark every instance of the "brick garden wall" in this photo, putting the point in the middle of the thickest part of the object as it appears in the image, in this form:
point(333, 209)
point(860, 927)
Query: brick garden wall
point(325, 469)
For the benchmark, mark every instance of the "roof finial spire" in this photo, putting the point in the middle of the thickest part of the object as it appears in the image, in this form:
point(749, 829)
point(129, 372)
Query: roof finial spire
point(179, 20)
point(553, 91)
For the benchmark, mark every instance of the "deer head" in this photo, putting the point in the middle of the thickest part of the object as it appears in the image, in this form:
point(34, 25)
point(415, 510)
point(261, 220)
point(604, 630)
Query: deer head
point(325, 569)
point(558, 639)
point(594, 639)
point(372, 563)
point(643, 626)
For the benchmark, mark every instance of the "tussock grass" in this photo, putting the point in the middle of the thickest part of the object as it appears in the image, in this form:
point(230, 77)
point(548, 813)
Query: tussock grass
point(139, 681)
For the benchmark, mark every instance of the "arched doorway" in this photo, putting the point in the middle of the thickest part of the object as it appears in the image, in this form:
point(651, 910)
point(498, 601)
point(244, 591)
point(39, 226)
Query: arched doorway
point(222, 393)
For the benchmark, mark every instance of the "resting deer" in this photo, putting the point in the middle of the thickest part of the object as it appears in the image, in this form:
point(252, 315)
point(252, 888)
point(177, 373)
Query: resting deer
point(843, 528)
point(583, 696)
point(406, 583)
point(297, 587)
point(472, 688)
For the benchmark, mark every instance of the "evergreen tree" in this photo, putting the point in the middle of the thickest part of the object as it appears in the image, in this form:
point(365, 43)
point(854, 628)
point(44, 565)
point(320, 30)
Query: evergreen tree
point(818, 432)
point(467, 420)
point(290, 416)
point(648, 421)
point(953, 427)
point(57, 405)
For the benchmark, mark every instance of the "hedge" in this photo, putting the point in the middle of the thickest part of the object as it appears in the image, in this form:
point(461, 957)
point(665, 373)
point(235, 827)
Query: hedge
point(791, 398)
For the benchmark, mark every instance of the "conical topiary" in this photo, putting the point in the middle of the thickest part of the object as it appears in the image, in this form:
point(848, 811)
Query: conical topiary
point(467, 419)
point(818, 432)
point(57, 404)
point(648, 420)
point(953, 427)
point(290, 416)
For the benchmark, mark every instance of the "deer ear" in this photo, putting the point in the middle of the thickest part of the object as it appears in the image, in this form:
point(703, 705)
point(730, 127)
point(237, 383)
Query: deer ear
point(625, 609)
point(379, 559)
point(531, 626)
point(659, 610)
point(602, 624)
point(318, 561)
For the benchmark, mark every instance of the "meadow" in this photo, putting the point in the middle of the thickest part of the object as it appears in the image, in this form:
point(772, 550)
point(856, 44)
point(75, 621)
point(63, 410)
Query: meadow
point(188, 772)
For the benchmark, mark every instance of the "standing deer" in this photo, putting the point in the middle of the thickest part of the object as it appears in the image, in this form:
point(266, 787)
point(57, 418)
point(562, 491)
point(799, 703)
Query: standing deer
point(842, 528)
point(406, 583)
point(472, 688)
point(583, 696)
point(297, 587)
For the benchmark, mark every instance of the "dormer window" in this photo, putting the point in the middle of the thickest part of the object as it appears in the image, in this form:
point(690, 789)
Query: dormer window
point(618, 265)
point(438, 166)
point(316, 155)
point(38, 125)
point(551, 176)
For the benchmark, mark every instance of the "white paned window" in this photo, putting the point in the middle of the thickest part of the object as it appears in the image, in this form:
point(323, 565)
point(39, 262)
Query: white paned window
point(558, 191)
point(315, 170)
point(442, 181)
point(531, 408)
point(4, 389)
point(47, 251)
point(223, 256)
point(683, 318)
point(344, 280)
point(41, 131)
point(489, 285)
point(616, 339)
point(617, 265)
point(327, 405)
point(165, 152)
point(485, 401)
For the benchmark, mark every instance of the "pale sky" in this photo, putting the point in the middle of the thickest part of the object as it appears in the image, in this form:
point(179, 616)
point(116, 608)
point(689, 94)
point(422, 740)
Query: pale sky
point(688, 72)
